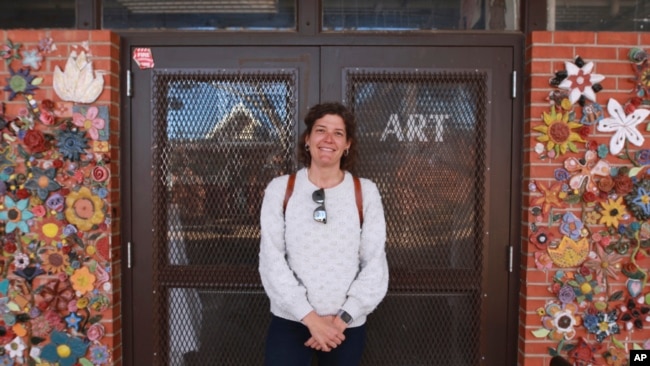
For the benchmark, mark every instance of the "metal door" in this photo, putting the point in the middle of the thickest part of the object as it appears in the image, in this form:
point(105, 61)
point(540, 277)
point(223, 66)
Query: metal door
point(436, 133)
point(210, 126)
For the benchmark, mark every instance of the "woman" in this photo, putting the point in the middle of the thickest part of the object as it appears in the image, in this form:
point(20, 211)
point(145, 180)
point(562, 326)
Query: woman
point(322, 270)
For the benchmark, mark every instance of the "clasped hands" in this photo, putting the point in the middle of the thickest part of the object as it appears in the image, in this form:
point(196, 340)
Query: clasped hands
point(326, 331)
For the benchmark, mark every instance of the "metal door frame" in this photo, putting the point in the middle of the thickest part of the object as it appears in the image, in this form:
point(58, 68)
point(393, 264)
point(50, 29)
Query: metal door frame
point(474, 42)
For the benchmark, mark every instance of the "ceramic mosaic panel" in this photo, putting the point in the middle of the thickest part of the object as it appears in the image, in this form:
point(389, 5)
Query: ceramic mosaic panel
point(55, 218)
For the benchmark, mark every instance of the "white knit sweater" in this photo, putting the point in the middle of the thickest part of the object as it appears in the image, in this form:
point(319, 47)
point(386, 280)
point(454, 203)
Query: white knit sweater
point(307, 265)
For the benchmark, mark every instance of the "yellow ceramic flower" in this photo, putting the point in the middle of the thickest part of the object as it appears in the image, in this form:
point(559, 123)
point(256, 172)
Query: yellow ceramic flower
point(566, 104)
point(82, 280)
point(84, 209)
point(569, 253)
point(49, 230)
point(592, 218)
point(558, 132)
point(612, 212)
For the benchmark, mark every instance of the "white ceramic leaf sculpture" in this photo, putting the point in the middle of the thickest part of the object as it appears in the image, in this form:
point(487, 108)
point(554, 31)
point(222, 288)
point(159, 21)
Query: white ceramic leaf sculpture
point(78, 83)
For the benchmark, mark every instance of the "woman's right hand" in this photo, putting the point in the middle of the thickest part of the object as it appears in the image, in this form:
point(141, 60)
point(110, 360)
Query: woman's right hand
point(325, 335)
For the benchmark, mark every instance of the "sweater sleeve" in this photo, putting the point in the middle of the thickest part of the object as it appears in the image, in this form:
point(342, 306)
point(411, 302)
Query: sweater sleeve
point(279, 281)
point(371, 283)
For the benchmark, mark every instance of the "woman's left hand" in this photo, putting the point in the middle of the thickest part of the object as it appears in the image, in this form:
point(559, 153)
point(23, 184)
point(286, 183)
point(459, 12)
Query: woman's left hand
point(337, 323)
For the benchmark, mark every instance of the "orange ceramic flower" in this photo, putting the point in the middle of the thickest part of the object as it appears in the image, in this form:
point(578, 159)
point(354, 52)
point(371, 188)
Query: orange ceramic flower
point(54, 261)
point(49, 230)
point(82, 280)
point(616, 357)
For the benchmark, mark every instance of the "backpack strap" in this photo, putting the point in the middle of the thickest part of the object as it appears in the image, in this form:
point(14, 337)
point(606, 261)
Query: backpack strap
point(359, 198)
point(358, 195)
point(290, 183)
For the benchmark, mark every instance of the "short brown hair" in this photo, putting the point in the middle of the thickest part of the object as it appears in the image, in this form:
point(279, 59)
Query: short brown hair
point(348, 160)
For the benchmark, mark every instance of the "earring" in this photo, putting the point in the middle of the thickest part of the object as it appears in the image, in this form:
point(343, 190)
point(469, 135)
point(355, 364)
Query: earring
point(346, 152)
point(306, 147)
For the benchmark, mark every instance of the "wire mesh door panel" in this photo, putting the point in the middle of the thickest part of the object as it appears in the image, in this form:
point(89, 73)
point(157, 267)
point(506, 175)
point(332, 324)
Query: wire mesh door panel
point(218, 138)
point(422, 140)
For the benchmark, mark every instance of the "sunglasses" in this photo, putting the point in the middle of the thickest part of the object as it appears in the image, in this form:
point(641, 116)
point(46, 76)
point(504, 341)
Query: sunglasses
point(320, 214)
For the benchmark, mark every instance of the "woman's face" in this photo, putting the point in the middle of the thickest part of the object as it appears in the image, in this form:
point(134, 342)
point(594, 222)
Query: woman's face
point(327, 141)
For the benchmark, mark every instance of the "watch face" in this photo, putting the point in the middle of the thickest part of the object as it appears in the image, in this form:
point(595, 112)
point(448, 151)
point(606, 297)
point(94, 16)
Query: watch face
point(346, 317)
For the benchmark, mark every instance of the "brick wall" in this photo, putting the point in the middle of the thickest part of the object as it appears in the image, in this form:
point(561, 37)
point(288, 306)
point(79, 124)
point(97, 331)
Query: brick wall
point(546, 54)
point(77, 297)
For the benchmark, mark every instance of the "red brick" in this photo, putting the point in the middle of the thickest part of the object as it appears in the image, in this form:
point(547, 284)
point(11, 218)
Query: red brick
point(552, 52)
point(535, 275)
point(540, 67)
point(613, 68)
point(102, 36)
point(529, 360)
point(596, 54)
point(617, 38)
point(540, 37)
point(644, 39)
point(25, 36)
point(536, 290)
point(574, 38)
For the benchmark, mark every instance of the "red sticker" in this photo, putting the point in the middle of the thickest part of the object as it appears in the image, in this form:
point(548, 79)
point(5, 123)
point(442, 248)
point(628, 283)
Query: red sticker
point(143, 57)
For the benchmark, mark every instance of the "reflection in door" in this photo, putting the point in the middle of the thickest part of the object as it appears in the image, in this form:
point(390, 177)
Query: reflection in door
point(219, 138)
point(422, 140)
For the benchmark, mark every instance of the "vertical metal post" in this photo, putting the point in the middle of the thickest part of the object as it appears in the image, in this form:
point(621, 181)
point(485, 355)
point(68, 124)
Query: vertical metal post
point(550, 17)
point(88, 14)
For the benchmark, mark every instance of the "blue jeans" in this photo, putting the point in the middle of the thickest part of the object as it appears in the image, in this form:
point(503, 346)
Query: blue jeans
point(285, 346)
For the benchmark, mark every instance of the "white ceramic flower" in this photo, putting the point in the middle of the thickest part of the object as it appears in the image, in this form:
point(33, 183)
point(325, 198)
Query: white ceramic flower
point(579, 81)
point(78, 83)
point(15, 348)
point(623, 126)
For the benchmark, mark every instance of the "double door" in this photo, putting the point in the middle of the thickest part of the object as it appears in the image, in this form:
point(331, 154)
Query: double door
point(208, 127)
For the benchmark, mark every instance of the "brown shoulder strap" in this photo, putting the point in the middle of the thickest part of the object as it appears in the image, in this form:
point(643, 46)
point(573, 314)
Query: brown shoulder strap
point(357, 194)
point(359, 197)
point(290, 183)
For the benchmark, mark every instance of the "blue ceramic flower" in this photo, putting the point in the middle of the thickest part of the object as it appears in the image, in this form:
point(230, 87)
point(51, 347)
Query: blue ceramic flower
point(20, 82)
point(638, 201)
point(16, 215)
point(43, 182)
point(6, 360)
point(642, 200)
point(29, 273)
point(643, 157)
point(73, 320)
point(603, 150)
point(99, 354)
point(571, 226)
point(585, 287)
point(601, 324)
point(64, 349)
point(72, 144)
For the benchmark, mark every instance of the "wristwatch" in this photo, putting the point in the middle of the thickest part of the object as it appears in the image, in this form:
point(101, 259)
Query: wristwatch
point(347, 318)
